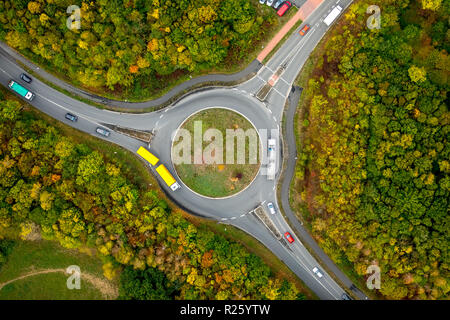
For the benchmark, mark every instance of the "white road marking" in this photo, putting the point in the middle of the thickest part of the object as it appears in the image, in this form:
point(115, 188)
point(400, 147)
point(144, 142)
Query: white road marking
point(66, 109)
point(284, 81)
point(269, 69)
point(283, 96)
point(260, 78)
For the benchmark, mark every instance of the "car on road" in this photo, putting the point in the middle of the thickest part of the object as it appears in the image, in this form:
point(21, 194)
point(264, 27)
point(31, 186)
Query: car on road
point(269, 2)
point(262, 1)
point(102, 131)
point(26, 78)
point(288, 237)
point(277, 4)
point(284, 8)
point(71, 117)
point(345, 297)
point(271, 208)
point(318, 272)
point(304, 30)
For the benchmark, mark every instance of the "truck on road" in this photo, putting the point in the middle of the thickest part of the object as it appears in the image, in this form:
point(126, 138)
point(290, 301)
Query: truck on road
point(332, 15)
point(271, 171)
point(147, 155)
point(167, 177)
point(271, 144)
point(20, 90)
point(272, 157)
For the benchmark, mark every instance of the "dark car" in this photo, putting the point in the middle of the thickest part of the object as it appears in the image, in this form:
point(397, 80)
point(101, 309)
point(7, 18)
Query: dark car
point(71, 117)
point(284, 8)
point(102, 131)
point(345, 297)
point(277, 4)
point(25, 78)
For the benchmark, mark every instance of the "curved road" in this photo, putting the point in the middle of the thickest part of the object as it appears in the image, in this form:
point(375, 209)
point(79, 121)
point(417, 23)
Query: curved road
point(265, 115)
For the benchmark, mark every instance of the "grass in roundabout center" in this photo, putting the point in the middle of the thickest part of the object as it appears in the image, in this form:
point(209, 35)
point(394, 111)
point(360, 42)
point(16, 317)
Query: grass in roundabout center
point(218, 180)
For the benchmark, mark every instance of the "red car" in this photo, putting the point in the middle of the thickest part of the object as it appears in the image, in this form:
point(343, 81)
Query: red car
point(288, 237)
point(305, 30)
point(284, 7)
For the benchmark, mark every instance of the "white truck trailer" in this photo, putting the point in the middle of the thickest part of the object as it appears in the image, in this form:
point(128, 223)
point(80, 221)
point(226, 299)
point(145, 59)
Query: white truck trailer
point(333, 15)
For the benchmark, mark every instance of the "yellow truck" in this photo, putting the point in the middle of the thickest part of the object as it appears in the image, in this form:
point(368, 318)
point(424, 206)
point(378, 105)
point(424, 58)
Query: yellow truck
point(148, 156)
point(167, 177)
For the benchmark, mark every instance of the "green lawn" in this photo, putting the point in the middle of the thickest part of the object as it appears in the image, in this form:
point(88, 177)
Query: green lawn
point(218, 180)
point(30, 257)
point(51, 286)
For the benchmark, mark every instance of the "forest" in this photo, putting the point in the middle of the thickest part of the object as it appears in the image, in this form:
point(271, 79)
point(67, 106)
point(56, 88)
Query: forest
point(373, 176)
point(69, 193)
point(134, 47)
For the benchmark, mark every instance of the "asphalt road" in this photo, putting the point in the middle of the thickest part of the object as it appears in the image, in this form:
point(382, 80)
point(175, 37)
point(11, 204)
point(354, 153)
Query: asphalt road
point(235, 210)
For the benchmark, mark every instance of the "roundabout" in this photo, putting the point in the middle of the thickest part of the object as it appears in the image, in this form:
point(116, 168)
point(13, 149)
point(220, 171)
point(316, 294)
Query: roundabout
point(225, 207)
point(215, 152)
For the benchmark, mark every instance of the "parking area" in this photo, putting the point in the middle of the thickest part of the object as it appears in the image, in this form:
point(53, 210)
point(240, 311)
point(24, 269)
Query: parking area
point(298, 3)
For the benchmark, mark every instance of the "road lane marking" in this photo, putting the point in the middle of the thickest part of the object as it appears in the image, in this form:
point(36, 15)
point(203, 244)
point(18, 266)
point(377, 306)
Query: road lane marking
point(285, 81)
point(283, 96)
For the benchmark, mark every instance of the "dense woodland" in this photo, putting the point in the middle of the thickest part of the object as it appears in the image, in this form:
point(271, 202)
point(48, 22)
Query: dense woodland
point(374, 170)
point(71, 194)
point(136, 46)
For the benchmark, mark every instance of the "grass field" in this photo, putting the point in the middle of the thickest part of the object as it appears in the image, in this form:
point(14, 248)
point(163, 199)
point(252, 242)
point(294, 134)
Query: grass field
point(218, 180)
point(35, 270)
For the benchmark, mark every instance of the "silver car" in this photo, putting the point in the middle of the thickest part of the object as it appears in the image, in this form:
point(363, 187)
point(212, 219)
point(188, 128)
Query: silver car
point(262, 1)
point(318, 272)
point(103, 132)
point(271, 208)
point(277, 4)
point(270, 2)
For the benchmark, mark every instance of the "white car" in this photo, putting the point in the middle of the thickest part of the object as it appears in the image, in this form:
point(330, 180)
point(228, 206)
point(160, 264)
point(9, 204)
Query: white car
point(270, 2)
point(318, 272)
point(262, 1)
point(271, 208)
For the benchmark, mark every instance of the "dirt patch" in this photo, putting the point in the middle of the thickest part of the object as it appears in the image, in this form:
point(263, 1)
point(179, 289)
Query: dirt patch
point(108, 290)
